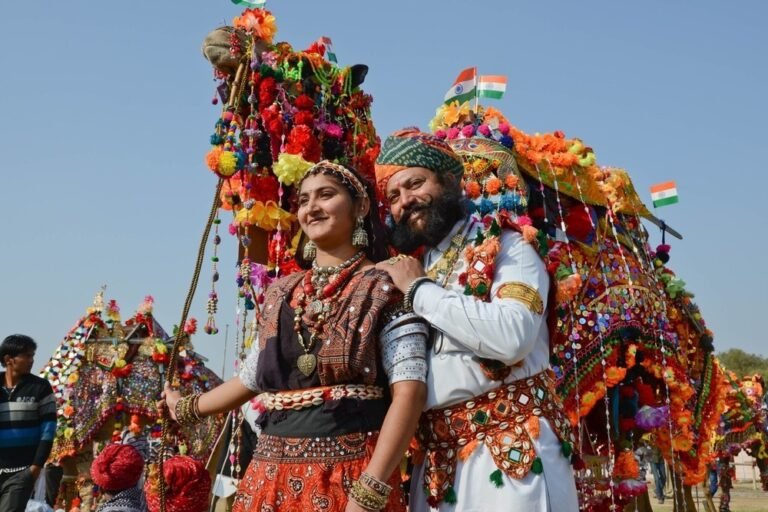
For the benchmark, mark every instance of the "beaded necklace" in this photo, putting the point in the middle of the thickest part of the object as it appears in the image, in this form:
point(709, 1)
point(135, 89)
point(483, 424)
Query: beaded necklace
point(322, 275)
point(318, 302)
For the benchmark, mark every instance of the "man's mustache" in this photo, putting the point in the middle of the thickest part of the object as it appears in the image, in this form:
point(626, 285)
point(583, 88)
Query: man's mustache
point(410, 210)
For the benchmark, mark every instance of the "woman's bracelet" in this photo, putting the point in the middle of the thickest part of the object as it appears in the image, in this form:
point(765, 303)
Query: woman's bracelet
point(375, 484)
point(367, 497)
point(188, 411)
point(411, 291)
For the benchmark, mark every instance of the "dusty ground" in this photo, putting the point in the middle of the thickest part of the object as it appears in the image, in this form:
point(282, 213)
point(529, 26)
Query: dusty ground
point(743, 499)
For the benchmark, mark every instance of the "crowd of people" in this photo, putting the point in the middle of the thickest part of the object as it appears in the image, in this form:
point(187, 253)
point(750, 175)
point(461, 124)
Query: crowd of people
point(358, 354)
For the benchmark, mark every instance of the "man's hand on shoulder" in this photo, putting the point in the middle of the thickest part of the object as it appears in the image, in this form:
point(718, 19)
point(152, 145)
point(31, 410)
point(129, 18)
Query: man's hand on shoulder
point(403, 270)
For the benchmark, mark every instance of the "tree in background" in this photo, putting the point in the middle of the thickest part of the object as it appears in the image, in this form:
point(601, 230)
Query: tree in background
point(742, 363)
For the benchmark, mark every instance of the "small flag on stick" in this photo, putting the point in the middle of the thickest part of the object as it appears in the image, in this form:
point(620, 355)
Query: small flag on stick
point(491, 86)
point(664, 194)
point(251, 3)
point(329, 51)
point(464, 87)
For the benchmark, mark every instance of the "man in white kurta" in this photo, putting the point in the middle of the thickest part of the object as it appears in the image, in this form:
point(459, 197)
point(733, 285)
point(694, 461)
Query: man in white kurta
point(509, 328)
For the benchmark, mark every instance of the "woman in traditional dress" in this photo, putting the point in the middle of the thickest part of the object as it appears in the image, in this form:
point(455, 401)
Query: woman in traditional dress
point(340, 365)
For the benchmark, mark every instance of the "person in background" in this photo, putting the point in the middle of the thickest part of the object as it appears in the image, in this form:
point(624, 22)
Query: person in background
point(27, 422)
point(658, 468)
point(712, 471)
point(642, 455)
point(117, 470)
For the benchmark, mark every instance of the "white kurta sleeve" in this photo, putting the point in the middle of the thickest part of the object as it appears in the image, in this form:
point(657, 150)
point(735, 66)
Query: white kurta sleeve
point(504, 329)
point(404, 349)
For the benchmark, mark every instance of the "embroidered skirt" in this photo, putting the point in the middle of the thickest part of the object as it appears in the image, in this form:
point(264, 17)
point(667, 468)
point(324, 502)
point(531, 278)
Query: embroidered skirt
point(309, 474)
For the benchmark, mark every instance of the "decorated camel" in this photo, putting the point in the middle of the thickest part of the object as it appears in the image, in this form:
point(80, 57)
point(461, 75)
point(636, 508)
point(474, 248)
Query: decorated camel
point(628, 346)
point(106, 376)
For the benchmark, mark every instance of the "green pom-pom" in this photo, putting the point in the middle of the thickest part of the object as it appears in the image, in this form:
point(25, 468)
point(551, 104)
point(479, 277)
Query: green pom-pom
point(450, 496)
point(480, 238)
point(481, 289)
point(467, 290)
point(541, 237)
point(562, 272)
point(495, 229)
point(567, 449)
point(537, 466)
point(496, 478)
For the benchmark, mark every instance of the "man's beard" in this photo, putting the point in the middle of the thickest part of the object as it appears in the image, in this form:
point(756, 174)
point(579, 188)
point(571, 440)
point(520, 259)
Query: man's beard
point(440, 215)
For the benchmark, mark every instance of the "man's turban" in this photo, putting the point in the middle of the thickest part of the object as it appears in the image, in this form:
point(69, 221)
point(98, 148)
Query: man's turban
point(118, 467)
point(411, 148)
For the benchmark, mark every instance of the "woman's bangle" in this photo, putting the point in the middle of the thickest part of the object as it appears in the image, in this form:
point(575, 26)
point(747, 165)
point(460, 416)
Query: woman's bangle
point(367, 497)
point(187, 410)
point(375, 484)
point(411, 291)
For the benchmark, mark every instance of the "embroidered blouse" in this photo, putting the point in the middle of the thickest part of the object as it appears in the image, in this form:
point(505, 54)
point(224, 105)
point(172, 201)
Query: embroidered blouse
point(368, 339)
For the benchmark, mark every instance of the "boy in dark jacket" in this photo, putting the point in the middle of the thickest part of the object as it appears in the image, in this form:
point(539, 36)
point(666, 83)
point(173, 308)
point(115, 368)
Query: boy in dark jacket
point(27, 422)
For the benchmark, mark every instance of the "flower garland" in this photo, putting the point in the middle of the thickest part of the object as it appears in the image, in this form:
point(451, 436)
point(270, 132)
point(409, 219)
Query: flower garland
point(290, 109)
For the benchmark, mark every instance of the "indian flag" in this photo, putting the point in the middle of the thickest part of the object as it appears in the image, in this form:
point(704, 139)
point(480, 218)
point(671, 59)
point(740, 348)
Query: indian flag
point(664, 194)
point(328, 43)
point(251, 3)
point(491, 86)
point(464, 87)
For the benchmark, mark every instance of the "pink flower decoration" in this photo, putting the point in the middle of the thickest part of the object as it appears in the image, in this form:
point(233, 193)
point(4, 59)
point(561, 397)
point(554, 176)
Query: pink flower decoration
point(258, 406)
point(632, 488)
point(484, 130)
point(333, 130)
point(440, 134)
point(191, 326)
point(453, 133)
point(524, 220)
point(259, 276)
point(504, 128)
point(468, 130)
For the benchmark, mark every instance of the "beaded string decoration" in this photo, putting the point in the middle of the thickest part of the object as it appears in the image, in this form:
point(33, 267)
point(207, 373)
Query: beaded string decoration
point(610, 214)
point(213, 298)
point(660, 324)
point(603, 363)
point(660, 331)
point(315, 305)
point(574, 336)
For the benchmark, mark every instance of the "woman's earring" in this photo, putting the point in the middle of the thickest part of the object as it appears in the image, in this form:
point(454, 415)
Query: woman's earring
point(360, 236)
point(310, 250)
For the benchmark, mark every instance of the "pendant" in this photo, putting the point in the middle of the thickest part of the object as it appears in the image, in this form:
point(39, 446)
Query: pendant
point(316, 307)
point(307, 364)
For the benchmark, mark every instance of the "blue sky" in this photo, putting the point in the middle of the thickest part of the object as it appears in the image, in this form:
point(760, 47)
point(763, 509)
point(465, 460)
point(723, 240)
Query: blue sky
point(105, 116)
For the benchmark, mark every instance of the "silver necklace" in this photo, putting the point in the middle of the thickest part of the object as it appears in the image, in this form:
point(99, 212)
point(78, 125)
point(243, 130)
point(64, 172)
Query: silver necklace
point(321, 276)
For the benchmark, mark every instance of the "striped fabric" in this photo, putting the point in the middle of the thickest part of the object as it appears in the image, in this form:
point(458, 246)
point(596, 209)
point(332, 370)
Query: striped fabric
point(27, 422)
point(411, 148)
